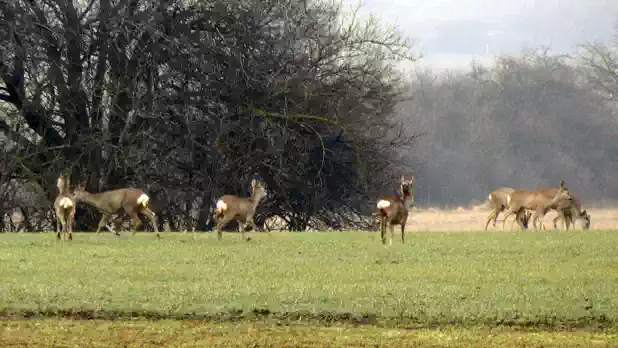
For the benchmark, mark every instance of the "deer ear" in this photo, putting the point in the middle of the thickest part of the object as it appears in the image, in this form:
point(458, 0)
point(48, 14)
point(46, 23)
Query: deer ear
point(562, 184)
point(403, 179)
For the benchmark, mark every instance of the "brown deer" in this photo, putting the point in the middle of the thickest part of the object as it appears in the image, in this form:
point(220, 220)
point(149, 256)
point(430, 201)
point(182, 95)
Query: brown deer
point(241, 209)
point(64, 206)
point(539, 201)
point(568, 210)
point(571, 211)
point(497, 201)
point(393, 210)
point(133, 201)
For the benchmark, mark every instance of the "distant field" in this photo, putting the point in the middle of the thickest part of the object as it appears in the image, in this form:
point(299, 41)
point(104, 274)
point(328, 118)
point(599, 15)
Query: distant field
point(541, 279)
point(470, 220)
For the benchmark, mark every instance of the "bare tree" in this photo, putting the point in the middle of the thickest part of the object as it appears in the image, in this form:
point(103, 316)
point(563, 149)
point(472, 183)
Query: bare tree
point(188, 100)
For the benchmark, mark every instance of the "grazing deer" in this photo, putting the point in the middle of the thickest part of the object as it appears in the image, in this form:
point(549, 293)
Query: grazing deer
point(241, 209)
point(538, 201)
point(64, 207)
point(497, 201)
point(133, 201)
point(393, 210)
point(570, 212)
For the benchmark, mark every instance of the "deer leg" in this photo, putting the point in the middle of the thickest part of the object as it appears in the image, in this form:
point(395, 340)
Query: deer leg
point(242, 226)
point(153, 219)
point(555, 221)
point(536, 216)
point(568, 220)
point(403, 232)
point(252, 223)
point(224, 220)
point(565, 218)
point(382, 228)
point(520, 212)
point(392, 230)
point(62, 225)
point(493, 216)
point(136, 221)
point(102, 222)
point(508, 213)
point(71, 220)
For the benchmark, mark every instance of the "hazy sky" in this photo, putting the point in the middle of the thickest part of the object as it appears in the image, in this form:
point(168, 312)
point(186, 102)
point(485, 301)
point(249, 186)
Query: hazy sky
point(452, 32)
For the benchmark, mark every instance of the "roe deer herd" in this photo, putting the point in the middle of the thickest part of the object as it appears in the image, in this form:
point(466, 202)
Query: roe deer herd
point(391, 210)
point(134, 202)
point(519, 202)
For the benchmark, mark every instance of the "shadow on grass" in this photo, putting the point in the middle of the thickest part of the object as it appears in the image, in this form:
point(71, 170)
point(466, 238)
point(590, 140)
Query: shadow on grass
point(320, 319)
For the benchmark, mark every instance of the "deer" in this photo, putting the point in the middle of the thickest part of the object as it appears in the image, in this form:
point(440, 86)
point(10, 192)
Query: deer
point(132, 200)
point(571, 211)
point(393, 210)
point(64, 207)
point(568, 210)
point(497, 201)
point(242, 209)
point(539, 201)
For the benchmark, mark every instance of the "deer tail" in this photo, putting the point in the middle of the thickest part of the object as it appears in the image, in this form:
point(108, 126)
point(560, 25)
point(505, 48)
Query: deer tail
point(143, 200)
point(66, 203)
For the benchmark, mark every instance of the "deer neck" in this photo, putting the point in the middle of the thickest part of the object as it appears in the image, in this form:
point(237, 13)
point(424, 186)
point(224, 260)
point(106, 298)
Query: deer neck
point(255, 200)
point(555, 200)
point(93, 199)
point(408, 201)
point(63, 187)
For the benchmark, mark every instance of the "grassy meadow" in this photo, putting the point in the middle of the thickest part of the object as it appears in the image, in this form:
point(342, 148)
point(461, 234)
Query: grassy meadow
point(550, 281)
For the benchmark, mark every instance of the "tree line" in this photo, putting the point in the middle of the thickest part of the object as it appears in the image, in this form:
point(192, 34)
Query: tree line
point(528, 121)
point(190, 100)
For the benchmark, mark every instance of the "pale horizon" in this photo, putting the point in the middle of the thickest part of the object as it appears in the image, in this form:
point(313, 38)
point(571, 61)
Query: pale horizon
point(452, 34)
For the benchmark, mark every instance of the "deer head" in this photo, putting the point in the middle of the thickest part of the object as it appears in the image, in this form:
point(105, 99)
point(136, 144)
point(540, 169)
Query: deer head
point(407, 187)
point(258, 190)
point(63, 183)
point(79, 190)
point(563, 192)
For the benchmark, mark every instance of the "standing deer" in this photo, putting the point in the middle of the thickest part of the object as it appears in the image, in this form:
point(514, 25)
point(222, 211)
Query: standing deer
point(570, 212)
point(133, 201)
point(241, 209)
point(497, 201)
point(64, 207)
point(538, 201)
point(393, 210)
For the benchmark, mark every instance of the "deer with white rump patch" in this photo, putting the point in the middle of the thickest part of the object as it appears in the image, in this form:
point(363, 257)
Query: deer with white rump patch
point(498, 202)
point(241, 209)
point(393, 210)
point(64, 206)
point(133, 201)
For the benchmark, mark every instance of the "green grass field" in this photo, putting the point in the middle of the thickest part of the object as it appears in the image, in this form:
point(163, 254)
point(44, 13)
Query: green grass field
point(468, 282)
